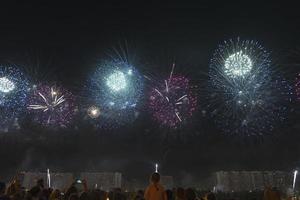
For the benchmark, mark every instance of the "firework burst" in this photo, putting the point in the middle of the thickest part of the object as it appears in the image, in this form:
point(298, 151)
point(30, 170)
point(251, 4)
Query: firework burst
point(51, 105)
point(93, 112)
point(172, 102)
point(247, 97)
point(115, 87)
point(14, 88)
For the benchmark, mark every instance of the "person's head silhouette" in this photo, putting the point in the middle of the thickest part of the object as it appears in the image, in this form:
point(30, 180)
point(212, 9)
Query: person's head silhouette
point(155, 177)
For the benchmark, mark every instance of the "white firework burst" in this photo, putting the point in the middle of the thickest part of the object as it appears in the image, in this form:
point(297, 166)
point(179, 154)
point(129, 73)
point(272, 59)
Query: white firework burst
point(244, 99)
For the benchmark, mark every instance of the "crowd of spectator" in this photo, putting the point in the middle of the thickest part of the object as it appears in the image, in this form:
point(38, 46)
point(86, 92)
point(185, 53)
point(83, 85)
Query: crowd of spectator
point(155, 191)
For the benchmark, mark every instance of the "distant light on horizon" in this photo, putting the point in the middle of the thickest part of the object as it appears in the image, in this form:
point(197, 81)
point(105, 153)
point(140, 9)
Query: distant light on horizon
point(295, 178)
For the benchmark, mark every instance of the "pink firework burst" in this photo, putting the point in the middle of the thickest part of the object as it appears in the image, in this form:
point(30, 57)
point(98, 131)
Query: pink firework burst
point(173, 101)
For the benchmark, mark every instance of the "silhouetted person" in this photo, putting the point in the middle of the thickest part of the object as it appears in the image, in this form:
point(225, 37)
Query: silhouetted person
point(190, 194)
point(169, 194)
point(84, 196)
point(275, 194)
point(40, 183)
point(139, 195)
point(35, 193)
point(155, 191)
point(71, 190)
point(2, 192)
point(55, 195)
point(180, 194)
point(267, 193)
point(210, 196)
point(73, 197)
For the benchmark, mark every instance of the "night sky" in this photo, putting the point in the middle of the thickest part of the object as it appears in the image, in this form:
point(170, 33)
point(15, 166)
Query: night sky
point(66, 40)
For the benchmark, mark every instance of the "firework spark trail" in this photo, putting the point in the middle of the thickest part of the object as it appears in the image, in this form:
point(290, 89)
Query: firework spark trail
point(172, 70)
point(167, 87)
point(43, 97)
point(59, 100)
point(167, 98)
point(148, 78)
point(159, 92)
point(177, 115)
point(181, 97)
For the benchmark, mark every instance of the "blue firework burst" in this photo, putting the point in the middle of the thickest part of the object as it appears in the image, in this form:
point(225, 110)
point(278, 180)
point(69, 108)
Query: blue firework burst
point(247, 96)
point(115, 89)
point(14, 88)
